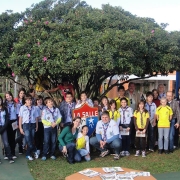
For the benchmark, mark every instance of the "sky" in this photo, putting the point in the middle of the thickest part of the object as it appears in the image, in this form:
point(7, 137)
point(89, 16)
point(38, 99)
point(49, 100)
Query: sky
point(163, 11)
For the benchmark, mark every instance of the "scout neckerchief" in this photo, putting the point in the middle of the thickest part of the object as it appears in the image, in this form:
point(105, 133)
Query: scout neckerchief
point(0, 118)
point(30, 110)
point(41, 107)
point(161, 95)
point(20, 102)
point(112, 114)
point(124, 110)
point(52, 112)
point(149, 110)
point(10, 105)
point(105, 127)
point(141, 119)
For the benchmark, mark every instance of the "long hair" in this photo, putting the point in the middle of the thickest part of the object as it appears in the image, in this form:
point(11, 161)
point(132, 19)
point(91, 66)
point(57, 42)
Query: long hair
point(38, 98)
point(72, 124)
point(113, 102)
point(22, 89)
point(102, 105)
point(2, 104)
point(10, 94)
point(138, 109)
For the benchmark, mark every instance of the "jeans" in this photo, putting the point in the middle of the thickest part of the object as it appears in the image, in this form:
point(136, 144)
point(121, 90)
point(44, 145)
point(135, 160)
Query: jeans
point(163, 132)
point(171, 134)
point(151, 136)
point(84, 153)
point(11, 136)
point(7, 148)
point(19, 140)
point(73, 154)
point(50, 135)
point(126, 140)
point(39, 136)
point(29, 132)
point(116, 145)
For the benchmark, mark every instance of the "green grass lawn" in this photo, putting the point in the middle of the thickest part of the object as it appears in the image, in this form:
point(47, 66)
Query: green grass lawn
point(59, 169)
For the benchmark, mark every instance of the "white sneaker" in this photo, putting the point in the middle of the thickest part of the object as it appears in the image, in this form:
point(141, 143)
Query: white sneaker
point(5, 157)
point(127, 153)
point(122, 153)
point(29, 158)
point(137, 153)
point(143, 154)
point(38, 152)
point(36, 155)
point(14, 157)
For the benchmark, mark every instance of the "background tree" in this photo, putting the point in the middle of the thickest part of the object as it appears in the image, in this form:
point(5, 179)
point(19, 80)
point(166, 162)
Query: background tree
point(68, 38)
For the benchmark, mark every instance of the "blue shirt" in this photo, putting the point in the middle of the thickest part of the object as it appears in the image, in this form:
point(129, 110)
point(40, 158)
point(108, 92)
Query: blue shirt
point(18, 106)
point(39, 110)
point(27, 114)
point(2, 117)
point(12, 110)
point(151, 108)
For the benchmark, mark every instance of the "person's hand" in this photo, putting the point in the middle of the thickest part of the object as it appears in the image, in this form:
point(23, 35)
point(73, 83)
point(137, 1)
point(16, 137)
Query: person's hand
point(176, 125)
point(144, 131)
point(64, 151)
point(138, 132)
point(53, 124)
point(21, 131)
point(104, 143)
point(121, 129)
point(128, 129)
point(46, 91)
point(62, 125)
point(154, 123)
point(36, 128)
point(101, 143)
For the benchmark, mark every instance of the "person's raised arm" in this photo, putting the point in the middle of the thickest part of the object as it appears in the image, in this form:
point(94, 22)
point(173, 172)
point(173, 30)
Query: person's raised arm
point(52, 90)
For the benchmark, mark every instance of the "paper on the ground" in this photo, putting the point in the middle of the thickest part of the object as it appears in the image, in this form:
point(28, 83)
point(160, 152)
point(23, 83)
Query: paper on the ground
point(124, 132)
point(112, 169)
point(14, 125)
point(134, 174)
point(108, 176)
point(89, 173)
point(124, 177)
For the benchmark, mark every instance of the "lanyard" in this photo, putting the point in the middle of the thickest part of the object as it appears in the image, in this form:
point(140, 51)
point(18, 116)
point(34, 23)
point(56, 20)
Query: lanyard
point(141, 113)
point(105, 127)
point(112, 114)
point(124, 117)
point(52, 112)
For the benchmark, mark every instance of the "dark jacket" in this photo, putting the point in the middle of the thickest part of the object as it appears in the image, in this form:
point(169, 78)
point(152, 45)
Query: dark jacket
point(3, 128)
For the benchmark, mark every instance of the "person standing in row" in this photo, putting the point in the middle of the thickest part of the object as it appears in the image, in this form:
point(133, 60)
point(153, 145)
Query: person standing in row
point(3, 130)
point(28, 125)
point(161, 91)
point(164, 115)
point(12, 112)
point(171, 102)
point(66, 108)
point(155, 97)
point(51, 117)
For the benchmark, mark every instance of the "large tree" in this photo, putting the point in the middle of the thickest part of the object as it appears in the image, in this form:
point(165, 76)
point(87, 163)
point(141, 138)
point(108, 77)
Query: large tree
point(68, 38)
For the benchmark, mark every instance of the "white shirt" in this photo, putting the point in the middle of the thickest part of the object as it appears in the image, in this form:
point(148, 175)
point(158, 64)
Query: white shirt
point(86, 138)
point(151, 108)
point(112, 130)
point(126, 115)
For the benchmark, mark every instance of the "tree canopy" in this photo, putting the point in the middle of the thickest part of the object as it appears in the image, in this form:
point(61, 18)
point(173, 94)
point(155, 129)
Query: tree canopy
point(69, 38)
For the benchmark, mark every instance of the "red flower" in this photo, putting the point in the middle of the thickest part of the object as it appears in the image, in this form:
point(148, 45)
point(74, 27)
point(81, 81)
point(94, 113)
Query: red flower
point(28, 55)
point(44, 58)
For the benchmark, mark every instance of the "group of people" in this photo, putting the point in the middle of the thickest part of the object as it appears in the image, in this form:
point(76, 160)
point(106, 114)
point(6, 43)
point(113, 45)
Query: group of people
point(32, 122)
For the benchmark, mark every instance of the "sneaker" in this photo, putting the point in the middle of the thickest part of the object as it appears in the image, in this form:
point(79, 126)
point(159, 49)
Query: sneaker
point(36, 155)
point(20, 153)
point(5, 157)
point(137, 153)
point(174, 147)
point(104, 153)
point(122, 153)
point(29, 158)
point(143, 154)
point(53, 157)
point(127, 153)
point(38, 152)
point(166, 151)
point(116, 157)
point(152, 150)
point(160, 151)
point(11, 161)
point(14, 157)
point(43, 158)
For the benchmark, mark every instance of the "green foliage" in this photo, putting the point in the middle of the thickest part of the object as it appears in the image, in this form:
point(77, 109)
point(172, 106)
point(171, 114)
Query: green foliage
point(69, 38)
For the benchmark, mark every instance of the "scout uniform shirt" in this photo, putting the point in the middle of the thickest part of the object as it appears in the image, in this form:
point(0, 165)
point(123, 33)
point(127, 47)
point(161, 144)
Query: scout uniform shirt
point(12, 110)
point(115, 115)
point(126, 115)
point(163, 113)
point(2, 117)
point(28, 114)
point(118, 101)
point(107, 131)
point(50, 115)
point(39, 110)
point(141, 119)
point(151, 108)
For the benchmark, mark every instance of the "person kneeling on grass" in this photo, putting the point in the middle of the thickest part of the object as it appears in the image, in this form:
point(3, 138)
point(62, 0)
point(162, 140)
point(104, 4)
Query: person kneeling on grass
point(66, 141)
point(82, 143)
point(107, 136)
point(51, 117)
